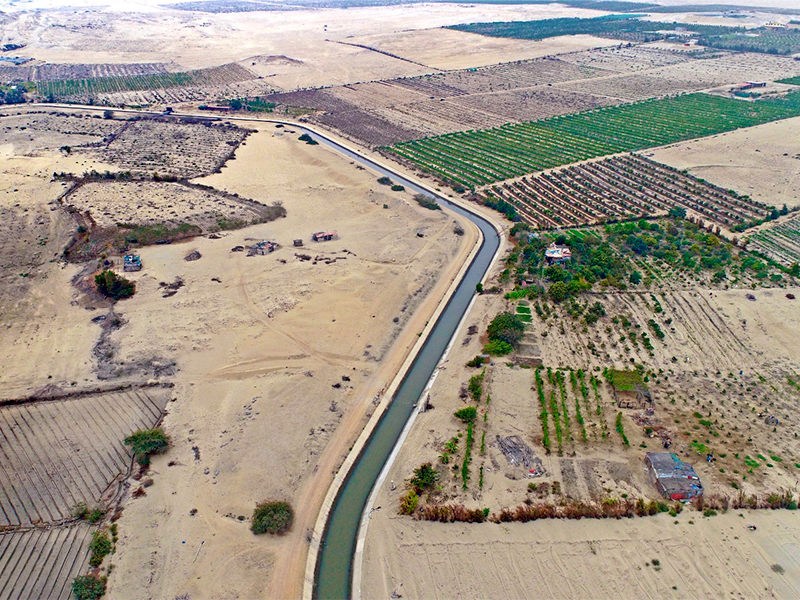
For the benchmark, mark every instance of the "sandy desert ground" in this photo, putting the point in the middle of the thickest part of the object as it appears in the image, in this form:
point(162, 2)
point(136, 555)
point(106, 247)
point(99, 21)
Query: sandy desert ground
point(279, 361)
point(762, 161)
point(696, 558)
point(450, 49)
point(195, 40)
point(246, 340)
point(276, 359)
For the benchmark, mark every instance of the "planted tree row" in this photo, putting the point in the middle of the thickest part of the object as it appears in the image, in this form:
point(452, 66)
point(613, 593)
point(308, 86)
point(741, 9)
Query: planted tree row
point(618, 188)
point(781, 242)
point(90, 87)
point(479, 157)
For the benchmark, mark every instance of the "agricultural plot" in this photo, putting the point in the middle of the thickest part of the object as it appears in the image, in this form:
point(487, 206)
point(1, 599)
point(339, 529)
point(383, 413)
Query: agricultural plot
point(41, 563)
point(631, 59)
point(57, 453)
point(385, 112)
point(179, 149)
point(628, 27)
point(84, 89)
point(618, 188)
point(476, 158)
point(56, 72)
point(529, 105)
point(779, 242)
point(730, 68)
point(770, 42)
point(544, 71)
point(632, 87)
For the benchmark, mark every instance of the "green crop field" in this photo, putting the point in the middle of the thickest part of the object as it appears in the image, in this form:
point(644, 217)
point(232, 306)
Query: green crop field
point(474, 158)
point(67, 88)
point(790, 81)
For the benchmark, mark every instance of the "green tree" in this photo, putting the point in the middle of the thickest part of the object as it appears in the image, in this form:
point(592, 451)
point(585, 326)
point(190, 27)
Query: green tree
point(506, 327)
point(558, 291)
point(147, 442)
point(677, 212)
point(636, 278)
point(114, 286)
point(272, 517)
point(235, 104)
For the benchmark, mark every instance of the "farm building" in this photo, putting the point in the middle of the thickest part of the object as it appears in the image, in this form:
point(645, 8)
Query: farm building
point(262, 248)
point(749, 85)
point(557, 254)
point(324, 236)
point(673, 478)
point(132, 263)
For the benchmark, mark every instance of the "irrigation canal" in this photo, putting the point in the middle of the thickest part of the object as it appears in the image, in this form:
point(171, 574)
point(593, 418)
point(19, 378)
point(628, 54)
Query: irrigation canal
point(334, 568)
point(333, 576)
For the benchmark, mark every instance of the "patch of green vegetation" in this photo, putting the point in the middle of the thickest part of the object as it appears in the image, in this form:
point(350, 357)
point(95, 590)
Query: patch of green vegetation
point(624, 381)
point(273, 517)
point(111, 285)
point(475, 385)
point(467, 456)
point(467, 414)
point(88, 587)
point(146, 442)
point(99, 547)
point(498, 348)
point(621, 429)
point(751, 463)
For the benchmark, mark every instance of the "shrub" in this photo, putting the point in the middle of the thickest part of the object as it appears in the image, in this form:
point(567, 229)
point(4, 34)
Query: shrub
point(100, 547)
point(409, 503)
point(467, 414)
point(80, 511)
point(475, 386)
point(145, 443)
point(424, 201)
point(385, 181)
point(95, 515)
point(308, 139)
point(498, 348)
point(477, 361)
point(272, 517)
point(88, 587)
point(114, 286)
point(424, 477)
point(398, 188)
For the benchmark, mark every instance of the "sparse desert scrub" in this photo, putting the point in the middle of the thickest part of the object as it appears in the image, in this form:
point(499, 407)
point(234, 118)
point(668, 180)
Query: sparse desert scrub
point(273, 517)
